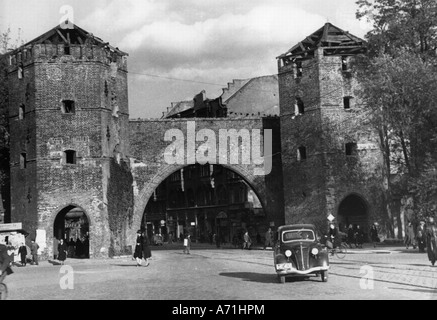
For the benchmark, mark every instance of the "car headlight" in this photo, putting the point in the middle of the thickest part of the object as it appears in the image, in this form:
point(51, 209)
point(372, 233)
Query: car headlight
point(288, 253)
point(315, 251)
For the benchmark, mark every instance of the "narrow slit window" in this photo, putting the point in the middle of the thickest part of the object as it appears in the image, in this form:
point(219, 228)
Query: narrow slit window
point(23, 161)
point(20, 72)
point(347, 103)
point(70, 157)
point(300, 106)
point(68, 107)
point(351, 149)
point(21, 112)
point(301, 153)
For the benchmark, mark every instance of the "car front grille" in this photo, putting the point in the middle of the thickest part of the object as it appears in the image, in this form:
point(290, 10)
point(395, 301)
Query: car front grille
point(302, 258)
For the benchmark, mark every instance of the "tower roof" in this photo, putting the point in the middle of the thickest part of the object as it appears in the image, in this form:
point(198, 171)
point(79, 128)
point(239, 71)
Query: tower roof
point(70, 34)
point(331, 37)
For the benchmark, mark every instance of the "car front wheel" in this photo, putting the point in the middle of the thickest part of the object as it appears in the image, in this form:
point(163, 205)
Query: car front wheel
point(324, 275)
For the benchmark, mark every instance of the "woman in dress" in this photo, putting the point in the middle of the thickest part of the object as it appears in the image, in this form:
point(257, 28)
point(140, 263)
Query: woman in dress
point(147, 253)
point(138, 253)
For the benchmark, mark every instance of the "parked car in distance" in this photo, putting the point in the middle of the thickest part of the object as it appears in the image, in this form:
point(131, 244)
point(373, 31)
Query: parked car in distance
point(298, 252)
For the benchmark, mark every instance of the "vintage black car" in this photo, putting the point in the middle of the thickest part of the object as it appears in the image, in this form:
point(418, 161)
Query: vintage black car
point(299, 253)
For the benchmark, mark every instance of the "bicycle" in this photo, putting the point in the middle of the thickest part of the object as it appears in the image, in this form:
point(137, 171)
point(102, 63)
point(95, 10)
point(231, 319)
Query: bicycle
point(340, 251)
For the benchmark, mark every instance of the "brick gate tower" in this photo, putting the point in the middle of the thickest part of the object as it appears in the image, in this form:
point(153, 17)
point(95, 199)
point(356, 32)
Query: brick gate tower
point(68, 109)
point(332, 163)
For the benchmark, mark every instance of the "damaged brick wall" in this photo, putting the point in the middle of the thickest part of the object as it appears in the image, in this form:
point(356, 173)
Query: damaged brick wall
point(88, 79)
point(120, 207)
point(314, 187)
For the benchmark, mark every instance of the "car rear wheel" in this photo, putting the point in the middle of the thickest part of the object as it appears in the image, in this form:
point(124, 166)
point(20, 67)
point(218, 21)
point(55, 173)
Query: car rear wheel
point(324, 275)
point(281, 279)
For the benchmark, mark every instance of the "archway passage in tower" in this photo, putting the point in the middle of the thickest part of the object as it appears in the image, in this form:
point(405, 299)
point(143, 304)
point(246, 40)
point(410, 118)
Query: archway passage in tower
point(353, 210)
point(210, 202)
point(72, 225)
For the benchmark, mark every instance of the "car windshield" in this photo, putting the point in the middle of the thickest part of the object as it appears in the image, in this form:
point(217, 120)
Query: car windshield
point(298, 235)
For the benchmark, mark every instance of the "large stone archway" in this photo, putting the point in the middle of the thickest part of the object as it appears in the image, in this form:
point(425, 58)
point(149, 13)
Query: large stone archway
point(149, 169)
point(354, 210)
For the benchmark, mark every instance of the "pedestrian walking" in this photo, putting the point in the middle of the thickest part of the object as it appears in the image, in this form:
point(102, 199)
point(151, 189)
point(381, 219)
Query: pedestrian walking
point(55, 248)
point(247, 241)
point(147, 253)
point(421, 236)
point(187, 244)
point(351, 236)
point(359, 237)
point(431, 235)
point(138, 253)
point(34, 252)
point(269, 239)
point(410, 237)
point(22, 251)
point(62, 251)
point(374, 234)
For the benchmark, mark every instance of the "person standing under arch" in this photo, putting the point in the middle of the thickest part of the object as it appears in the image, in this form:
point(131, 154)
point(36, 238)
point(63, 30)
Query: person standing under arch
point(62, 251)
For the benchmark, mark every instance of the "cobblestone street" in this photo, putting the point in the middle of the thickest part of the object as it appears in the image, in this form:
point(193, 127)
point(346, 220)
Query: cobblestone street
point(229, 274)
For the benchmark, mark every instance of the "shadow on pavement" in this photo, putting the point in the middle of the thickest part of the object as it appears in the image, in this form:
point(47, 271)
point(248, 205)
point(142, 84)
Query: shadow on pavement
point(252, 276)
point(263, 277)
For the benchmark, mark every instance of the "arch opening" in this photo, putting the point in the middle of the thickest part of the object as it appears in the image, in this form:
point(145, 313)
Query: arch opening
point(212, 203)
point(72, 225)
point(353, 210)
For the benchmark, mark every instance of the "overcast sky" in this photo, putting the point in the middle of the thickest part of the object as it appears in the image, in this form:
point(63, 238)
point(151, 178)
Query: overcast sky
point(208, 42)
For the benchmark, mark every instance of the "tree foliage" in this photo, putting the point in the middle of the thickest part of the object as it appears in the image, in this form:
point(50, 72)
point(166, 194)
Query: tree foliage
point(399, 89)
point(400, 23)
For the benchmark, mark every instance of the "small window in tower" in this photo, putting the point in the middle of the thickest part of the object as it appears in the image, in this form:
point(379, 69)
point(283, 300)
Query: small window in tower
point(299, 69)
point(300, 106)
point(347, 103)
point(23, 161)
point(67, 50)
point(70, 157)
point(351, 149)
point(344, 64)
point(68, 107)
point(301, 153)
point(21, 112)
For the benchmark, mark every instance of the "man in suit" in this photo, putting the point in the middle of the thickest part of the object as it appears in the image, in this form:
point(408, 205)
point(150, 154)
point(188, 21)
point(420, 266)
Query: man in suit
point(6, 259)
point(34, 251)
